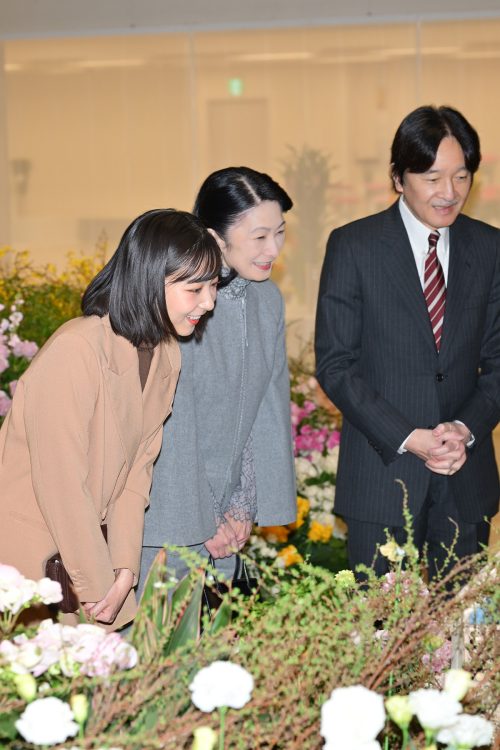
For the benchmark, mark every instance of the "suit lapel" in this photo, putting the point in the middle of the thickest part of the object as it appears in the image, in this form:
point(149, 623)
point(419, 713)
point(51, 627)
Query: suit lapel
point(460, 276)
point(402, 271)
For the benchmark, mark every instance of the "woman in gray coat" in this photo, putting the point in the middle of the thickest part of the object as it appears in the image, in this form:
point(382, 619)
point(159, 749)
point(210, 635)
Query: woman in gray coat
point(228, 459)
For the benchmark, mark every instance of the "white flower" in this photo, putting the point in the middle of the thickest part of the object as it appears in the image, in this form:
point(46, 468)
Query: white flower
point(341, 723)
point(456, 683)
point(467, 731)
point(331, 460)
point(10, 576)
point(221, 684)
point(47, 721)
point(304, 468)
point(325, 519)
point(434, 709)
point(15, 589)
point(49, 591)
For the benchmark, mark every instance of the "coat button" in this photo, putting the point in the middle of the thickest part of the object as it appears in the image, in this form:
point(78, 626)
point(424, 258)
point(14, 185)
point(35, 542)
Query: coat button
point(440, 377)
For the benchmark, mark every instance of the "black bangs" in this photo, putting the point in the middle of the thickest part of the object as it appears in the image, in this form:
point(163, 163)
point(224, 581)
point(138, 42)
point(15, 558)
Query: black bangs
point(203, 263)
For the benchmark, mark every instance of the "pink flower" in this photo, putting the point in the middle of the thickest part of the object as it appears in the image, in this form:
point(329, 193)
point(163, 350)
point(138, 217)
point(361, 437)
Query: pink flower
point(440, 659)
point(310, 439)
point(333, 439)
point(5, 403)
point(21, 348)
point(4, 357)
point(12, 387)
point(112, 652)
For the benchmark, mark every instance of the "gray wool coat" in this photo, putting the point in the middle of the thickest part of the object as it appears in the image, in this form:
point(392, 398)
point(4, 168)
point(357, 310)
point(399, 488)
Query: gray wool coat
point(234, 384)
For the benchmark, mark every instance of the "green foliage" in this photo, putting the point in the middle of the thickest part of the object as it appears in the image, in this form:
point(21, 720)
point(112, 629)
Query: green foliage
point(51, 297)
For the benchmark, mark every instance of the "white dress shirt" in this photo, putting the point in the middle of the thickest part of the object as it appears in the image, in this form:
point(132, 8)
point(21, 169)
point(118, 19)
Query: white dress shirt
point(418, 234)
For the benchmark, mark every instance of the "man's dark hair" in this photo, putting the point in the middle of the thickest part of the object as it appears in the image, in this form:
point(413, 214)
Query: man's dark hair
point(130, 288)
point(417, 140)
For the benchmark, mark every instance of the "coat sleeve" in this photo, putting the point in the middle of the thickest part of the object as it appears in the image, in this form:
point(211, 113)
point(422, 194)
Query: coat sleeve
point(481, 411)
point(339, 327)
point(125, 518)
point(272, 442)
point(60, 398)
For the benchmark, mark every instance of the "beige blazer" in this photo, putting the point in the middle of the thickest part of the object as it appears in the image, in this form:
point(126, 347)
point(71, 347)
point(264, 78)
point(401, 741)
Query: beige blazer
point(77, 450)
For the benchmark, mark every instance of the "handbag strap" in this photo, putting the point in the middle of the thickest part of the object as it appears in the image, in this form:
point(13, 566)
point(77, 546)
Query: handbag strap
point(240, 569)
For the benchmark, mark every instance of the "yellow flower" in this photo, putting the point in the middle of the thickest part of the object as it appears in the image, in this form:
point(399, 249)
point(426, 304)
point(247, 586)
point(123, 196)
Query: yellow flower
point(290, 556)
point(80, 706)
point(275, 534)
point(319, 532)
point(392, 551)
point(204, 738)
point(25, 686)
point(303, 506)
point(398, 708)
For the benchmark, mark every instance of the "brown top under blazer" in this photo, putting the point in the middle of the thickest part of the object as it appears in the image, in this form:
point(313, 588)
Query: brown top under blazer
point(77, 450)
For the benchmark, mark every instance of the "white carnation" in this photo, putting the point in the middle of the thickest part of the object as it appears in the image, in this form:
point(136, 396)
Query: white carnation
point(49, 591)
point(47, 721)
point(341, 722)
point(434, 709)
point(221, 684)
point(467, 732)
point(15, 590)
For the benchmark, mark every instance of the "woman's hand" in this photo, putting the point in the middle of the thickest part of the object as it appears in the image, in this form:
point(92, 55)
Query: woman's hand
point(230, 537)
point(107, 609)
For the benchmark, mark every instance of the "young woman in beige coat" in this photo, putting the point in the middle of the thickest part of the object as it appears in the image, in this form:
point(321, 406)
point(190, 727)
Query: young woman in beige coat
point(85, 426)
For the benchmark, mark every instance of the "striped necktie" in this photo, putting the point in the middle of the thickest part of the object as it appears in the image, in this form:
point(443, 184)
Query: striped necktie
point(434, 289)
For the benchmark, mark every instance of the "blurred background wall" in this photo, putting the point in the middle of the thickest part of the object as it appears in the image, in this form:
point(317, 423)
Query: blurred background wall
point(111, 108)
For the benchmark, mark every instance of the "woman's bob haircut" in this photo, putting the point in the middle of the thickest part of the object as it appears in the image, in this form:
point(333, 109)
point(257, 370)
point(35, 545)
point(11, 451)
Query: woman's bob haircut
point(162, 244)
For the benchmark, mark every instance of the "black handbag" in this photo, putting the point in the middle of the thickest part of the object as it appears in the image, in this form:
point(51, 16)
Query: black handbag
point(215, 590)
point(55, 570)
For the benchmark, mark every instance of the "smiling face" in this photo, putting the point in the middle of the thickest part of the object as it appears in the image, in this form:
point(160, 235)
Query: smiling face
point(254, 241)
point(187, 301)
point(436, 197)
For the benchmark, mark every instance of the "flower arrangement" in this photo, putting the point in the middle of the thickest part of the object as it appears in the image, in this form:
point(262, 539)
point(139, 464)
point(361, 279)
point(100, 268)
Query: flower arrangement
point(317, 535)
point(295, 671)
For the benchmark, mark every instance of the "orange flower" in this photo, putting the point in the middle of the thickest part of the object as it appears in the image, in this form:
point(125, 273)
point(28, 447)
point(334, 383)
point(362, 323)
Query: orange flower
point(275, 534)
point(289, 556)
point(318, 532)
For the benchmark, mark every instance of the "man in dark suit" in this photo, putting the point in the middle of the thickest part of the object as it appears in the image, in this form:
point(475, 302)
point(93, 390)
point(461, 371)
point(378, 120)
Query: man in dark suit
point(408, 347)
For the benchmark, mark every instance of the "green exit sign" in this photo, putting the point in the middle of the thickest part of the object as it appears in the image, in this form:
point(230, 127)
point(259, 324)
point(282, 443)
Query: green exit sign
point(235, 86)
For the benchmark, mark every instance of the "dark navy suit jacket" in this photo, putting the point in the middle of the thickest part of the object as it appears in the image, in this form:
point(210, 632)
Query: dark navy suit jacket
point(377, 361)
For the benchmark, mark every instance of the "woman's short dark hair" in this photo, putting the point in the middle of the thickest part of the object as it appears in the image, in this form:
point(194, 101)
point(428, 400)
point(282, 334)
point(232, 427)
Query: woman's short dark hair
point(227, 193)
point(131, 287)
point(417, 140)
